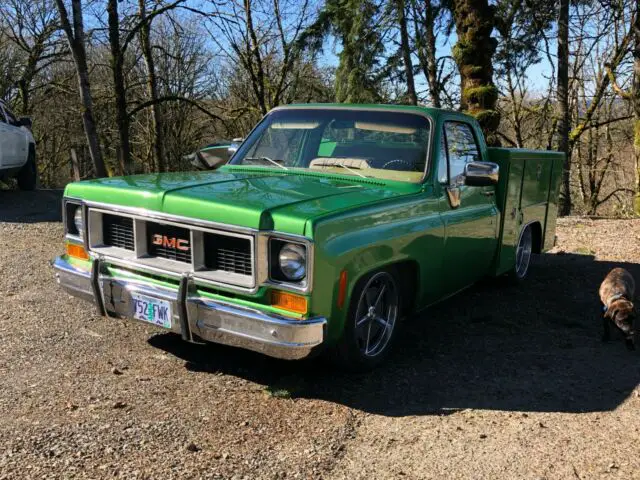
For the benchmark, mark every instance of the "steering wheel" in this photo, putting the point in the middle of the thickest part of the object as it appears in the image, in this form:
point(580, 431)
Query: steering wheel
point(400, 161)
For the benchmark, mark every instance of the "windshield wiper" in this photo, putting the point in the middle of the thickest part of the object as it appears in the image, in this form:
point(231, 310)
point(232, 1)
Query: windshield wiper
point(347, 168)
point(268, 160)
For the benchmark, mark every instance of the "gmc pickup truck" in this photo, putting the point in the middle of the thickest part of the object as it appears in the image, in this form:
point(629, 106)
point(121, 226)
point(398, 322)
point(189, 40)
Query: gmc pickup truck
point(327, 226)
point(17, 149)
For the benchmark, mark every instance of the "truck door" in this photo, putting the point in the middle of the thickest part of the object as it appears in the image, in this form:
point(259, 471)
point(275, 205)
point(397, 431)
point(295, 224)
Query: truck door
point(469, 214)
point(13, 141)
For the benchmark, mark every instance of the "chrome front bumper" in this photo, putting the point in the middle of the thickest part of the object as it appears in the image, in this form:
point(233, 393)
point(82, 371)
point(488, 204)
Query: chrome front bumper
point(195, 317)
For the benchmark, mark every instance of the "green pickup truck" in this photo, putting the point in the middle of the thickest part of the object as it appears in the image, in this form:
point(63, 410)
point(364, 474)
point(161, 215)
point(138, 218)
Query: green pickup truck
point(328, 225)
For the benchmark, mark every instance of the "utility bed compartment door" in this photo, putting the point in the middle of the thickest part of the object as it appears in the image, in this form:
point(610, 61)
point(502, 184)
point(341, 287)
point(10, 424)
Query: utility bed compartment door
point(527, 192)
point(535, 186)
point(511, 213)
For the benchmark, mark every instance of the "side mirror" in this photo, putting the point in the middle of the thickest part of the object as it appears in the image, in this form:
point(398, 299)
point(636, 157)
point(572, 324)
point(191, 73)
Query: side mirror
point(25, 122)
point(214, 157)
point(481, 174)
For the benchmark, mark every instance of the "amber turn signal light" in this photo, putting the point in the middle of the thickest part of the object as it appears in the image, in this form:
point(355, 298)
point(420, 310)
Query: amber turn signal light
point(77, 251)
point(289, 301)
point(342, 288)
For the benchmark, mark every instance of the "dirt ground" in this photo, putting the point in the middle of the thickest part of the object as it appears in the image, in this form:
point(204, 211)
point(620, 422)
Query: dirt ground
point(500, 382)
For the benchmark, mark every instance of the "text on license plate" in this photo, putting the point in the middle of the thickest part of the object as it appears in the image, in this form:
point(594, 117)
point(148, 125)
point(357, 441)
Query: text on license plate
point(152, 310)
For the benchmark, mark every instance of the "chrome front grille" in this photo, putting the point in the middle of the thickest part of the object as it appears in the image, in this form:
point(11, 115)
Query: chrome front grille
point(224, 257)
point(117, 231)
point(229, 254)
point(168, 241)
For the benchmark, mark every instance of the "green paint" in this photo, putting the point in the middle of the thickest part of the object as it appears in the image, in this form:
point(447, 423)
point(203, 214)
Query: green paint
point(358, 224)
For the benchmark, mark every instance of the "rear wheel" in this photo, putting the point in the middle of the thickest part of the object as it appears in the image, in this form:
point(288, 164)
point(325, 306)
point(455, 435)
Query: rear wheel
point(524, 250)
point(371, 323)
point(28, 175)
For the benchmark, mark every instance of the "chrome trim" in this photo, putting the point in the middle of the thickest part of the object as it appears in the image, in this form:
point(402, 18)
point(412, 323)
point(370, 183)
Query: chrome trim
point(73, 280)
point(152, 214)
point(273, 335)
point(98, 293)
point(245, 283)
point(140, 268)
point(259, 239)
point(79, 203)
point(207, 319)
point(306, 284)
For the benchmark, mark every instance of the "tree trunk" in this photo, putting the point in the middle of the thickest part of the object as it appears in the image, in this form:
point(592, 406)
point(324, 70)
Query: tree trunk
point(75, 166)
point(426, 47)
point(432, 62)
point(117, 60)
point(253, 52)
point(152, 88)
point(635, 95)
point(75, 38)
point(563, 105)
point(474, 56)
point(23, 88)
point(406, 52)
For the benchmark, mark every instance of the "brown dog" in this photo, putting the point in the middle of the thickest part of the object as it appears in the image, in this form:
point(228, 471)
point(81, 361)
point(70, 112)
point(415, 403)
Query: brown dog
point(617, 294)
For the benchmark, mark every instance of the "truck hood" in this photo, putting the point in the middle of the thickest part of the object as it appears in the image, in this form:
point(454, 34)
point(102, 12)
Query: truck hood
point(259, 198)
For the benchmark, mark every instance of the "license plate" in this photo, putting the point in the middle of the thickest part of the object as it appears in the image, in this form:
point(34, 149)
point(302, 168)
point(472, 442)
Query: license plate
point(152, 310)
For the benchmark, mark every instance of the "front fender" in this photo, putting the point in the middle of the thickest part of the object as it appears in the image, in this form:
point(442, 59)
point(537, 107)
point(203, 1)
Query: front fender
point(370, 239)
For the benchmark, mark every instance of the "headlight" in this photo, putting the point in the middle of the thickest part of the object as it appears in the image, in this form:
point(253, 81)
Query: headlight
point(293, 261)
point(77, 221)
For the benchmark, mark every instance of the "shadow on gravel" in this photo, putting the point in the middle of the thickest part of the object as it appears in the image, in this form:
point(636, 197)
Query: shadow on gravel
point(534, 347)
point(30, 207)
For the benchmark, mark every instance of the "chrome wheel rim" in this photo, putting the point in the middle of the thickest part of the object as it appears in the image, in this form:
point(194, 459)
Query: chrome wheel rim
point(376, 314)
point(523, 253)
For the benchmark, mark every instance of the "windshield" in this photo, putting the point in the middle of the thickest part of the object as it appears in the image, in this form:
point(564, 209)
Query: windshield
point(366, 143)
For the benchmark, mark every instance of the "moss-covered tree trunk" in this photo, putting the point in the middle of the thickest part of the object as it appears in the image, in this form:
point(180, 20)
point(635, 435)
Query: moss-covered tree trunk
point(474, 56)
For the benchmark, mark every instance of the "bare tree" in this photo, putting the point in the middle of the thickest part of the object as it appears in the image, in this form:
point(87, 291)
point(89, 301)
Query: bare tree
point(76, 39)
point(152, 86)
point(33, 28)
point(632, 96)
point(563, 104)
point(262, 38)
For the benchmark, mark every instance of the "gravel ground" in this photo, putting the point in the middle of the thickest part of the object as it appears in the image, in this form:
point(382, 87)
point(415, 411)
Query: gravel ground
point(500, 382)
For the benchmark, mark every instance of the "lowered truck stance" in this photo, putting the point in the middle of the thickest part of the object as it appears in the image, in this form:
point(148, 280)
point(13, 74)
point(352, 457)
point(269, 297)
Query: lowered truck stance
point(328, 224)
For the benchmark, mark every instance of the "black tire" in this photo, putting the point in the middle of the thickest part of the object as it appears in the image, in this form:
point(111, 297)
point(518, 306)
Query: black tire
point(524, 255)
point(349, 354)
point(28, 175)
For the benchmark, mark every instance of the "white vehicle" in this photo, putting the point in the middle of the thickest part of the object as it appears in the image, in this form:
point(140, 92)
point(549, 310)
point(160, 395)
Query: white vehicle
point(17, 149)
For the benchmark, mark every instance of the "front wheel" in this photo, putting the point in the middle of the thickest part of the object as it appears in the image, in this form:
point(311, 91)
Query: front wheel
point(371, 323)
point(523, 255)
point(28, 175)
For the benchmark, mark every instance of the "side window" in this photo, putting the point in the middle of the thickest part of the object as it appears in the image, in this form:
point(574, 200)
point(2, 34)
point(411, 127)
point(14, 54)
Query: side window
point(2, 119)
point(461, 149)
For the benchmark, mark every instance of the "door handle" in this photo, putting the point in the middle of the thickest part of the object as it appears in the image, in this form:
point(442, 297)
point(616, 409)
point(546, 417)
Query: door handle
point(490, 193)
